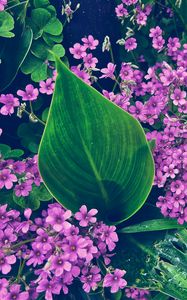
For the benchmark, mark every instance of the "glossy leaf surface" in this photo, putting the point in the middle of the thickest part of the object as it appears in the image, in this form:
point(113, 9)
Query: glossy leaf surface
point(94, 153)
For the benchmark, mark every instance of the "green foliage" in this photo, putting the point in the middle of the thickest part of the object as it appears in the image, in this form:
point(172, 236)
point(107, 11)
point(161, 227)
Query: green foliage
point(153, 225)
point(38, 193)
point(21, 44)
point(47, 30)
point(181, 11)
point(6, 25)
point(159, 266)
point(6, 152)
point(30, 135)
point(78, 158)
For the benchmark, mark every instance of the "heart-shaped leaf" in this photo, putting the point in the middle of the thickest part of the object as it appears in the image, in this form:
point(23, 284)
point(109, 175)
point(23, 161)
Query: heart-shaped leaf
point(94, 153)
point(6, 24)
point(38, 193)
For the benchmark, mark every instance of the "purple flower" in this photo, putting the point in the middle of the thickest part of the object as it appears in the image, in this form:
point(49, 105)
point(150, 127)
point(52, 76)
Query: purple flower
point(3, 287)
point(158, 43)
point(81, 74)
point(155, 32)
point(137, 294)
point(16, 294)
point(109, 71)
point(47, 87)
point(78, 51)
point(29, 94)
point(59, 264)
point(9, 102)
point(49, 287)
point(6, 262)
point(90, 278)
point(138, 111)
point(121, 11)
point(75, 247)
point(178, 97)
point(130, 44)
point(109, 236)
point(7, 179)
point(36, 256)
point(141, 18)
point(43, 240)
point(18, 167)
point(23, 189)
point(90, 42)
point(57, 218)
point(90, 61)
point(7, 236)
point(85, 217)
point(115, 280)
point(177, 187)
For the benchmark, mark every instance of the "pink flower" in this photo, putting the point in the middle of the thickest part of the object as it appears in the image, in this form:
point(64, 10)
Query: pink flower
point(138, 111)
point(85, 217)
point(167, 76)
point(115, 280)
point(130, 44)
point(60, 263)
point(29, 94)
point(7, 179)
point(3, 3)
point(155, 32)
point(141, 18)
point(81, 74)
point(47, 87)
point(6, 262)
point(178, 97)
point(23, 189)
point(173, 44)
point(158, 43)
point(109, 71)
point(90, 277)
point(57, 218)
point(121, 11)
point(109, 236)
point(9, 102)
point(16, 294)
point(3, 287)
point(90, 61)
point(90, 42)
point(78, 51)
point(49, 288)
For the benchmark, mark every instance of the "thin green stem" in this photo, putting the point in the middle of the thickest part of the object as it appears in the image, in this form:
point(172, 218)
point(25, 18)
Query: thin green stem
point(18, 4)
point(22, 243)
point(38, 119)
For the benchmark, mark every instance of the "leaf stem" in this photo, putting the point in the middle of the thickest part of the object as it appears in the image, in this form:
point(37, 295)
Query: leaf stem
point(22, 243)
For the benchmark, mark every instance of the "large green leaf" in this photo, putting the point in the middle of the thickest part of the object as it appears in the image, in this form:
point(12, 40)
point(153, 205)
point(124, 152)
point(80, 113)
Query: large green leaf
point(94, 153)
point(20, 44)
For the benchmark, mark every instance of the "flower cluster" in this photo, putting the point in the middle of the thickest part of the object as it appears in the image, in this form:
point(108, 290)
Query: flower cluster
point(89, 62)
point(135, 10)
point(137, 294)
point(171, 168)
point(20, 175)
point(10, 102)
point(54, 251)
